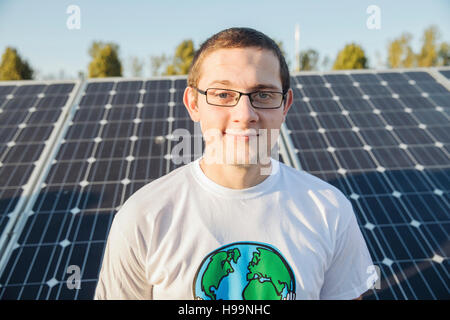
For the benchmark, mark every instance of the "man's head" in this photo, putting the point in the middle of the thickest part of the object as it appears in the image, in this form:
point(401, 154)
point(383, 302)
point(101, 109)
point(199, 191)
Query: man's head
point(244, 60)
point(237, 38)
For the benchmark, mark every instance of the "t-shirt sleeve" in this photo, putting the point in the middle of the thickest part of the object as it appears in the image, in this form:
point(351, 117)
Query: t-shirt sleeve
point(351, 271)
point(122, 275)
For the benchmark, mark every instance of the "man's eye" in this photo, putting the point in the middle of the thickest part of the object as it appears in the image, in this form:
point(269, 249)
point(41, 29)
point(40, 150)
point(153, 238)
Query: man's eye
point(263, 95)
point(223, 95)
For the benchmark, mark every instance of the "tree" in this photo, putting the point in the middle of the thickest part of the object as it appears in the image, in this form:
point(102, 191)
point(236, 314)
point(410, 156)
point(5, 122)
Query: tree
point(283, 52)
point(444, 54)
point(428, 55)
point(81, 75)
point(308, 59)
point(105, 62)
point(400, 54)
point(380, 63)
point(136, 66)
point(326, 63)
point(280, 45)
point(184, 54)
point(96, 46)
point(158, 62)
point(13, 67)
point(351, 57)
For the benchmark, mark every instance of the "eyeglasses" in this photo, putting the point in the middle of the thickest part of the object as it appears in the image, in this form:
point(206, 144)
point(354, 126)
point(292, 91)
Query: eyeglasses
point(230, 98)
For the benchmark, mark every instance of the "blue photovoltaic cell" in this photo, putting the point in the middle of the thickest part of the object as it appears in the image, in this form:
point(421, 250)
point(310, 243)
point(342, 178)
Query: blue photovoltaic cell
point(419, 76)
point(445, 73)
point(338, 79)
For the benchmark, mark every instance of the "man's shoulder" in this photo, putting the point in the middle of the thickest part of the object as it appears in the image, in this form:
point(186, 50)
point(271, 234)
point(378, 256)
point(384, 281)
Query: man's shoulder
point(303, 178)
point(306, 184)
point(173, 178)
point(153, 196)
point(324, 200)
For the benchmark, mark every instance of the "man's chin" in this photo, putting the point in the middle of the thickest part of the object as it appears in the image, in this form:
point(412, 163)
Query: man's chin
point(242, 160)
point(241, 163)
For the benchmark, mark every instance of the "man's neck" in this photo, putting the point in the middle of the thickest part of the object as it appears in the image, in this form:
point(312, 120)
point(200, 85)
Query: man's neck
point(236, 176)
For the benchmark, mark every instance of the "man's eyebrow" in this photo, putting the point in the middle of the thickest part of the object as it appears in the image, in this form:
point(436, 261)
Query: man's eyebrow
point(265, 86)
point(257, 87)
point(224, 82)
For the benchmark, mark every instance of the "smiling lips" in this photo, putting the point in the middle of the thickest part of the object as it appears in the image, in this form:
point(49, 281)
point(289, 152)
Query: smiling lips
point(246, 134)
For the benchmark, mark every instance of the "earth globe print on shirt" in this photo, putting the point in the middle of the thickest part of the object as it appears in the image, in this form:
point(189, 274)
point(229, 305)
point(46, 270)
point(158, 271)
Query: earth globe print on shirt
point(244, 271)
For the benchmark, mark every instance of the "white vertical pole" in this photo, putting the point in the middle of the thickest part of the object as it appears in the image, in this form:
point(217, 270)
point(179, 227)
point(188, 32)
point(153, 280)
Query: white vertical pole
point(297, 47)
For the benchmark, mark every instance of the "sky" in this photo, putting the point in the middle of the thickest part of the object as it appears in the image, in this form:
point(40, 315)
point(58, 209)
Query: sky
point(38, 29)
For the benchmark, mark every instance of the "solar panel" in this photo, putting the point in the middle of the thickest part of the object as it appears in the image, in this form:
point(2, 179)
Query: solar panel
point(31, 114)
point(445, 73)
point(382, 138)
point(117, 138)
point(113, 143)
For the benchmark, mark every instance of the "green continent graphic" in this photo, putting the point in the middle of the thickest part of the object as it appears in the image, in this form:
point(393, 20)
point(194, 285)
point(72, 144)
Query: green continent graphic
point(218, 267)
point(267, 278)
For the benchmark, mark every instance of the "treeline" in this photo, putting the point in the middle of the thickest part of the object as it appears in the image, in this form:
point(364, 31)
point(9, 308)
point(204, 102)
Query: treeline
point(106, 62)
point(400, 54)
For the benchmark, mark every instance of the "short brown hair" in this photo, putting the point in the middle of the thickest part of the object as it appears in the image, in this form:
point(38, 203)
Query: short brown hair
point(237, 38)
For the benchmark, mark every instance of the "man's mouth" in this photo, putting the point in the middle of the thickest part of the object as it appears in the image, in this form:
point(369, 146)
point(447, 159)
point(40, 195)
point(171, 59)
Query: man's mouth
point(241, 133)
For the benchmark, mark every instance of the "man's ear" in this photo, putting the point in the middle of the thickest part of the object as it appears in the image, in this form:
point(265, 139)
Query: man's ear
point(288, 102)
point(190, 102)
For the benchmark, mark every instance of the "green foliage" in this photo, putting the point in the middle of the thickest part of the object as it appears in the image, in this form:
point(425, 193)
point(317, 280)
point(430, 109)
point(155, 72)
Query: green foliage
point(428, 55)
point(444, 54)
point(325, 64)
point(280, 45)
point(308, 60)
point(283, 52)
point(157, 63)
point(105, 62)
point(351, 57)
point(136, 66)
point(13, 67)
point(400, 54)
point(184, 54)
point(96, 46)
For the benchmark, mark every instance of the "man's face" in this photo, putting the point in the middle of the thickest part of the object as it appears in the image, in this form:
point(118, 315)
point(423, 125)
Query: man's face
point(234, 133)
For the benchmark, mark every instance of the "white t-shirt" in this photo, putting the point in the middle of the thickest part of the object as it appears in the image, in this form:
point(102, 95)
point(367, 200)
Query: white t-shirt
point(183, 236)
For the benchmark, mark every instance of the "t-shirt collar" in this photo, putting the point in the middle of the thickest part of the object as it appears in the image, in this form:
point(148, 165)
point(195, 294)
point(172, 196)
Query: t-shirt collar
point(263, 187)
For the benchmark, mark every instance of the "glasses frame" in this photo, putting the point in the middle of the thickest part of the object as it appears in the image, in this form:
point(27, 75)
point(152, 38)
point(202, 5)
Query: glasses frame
point(205, 93)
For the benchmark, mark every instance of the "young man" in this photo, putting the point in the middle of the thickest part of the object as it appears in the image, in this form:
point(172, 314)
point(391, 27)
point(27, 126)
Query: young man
point(230, 225)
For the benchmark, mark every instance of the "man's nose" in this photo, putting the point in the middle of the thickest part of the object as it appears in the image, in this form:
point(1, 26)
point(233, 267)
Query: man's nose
point(244, 111)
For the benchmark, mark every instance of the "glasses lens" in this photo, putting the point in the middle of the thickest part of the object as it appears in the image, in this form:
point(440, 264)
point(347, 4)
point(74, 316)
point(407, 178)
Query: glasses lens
point(222, 97)
point(267, 99)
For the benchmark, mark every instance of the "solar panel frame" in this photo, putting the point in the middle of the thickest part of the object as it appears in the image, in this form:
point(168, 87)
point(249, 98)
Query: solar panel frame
point(443, 72)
